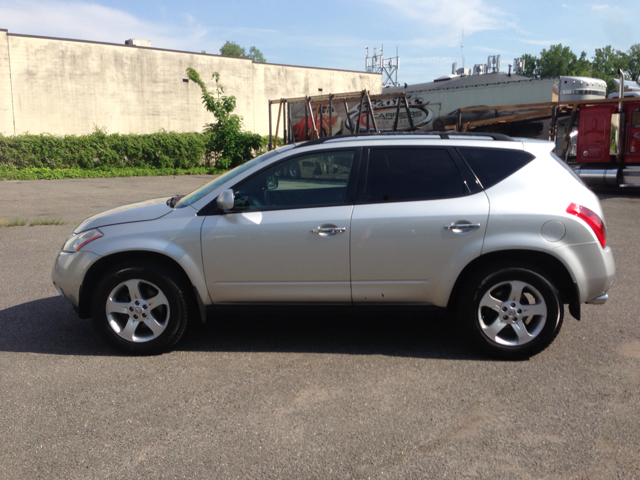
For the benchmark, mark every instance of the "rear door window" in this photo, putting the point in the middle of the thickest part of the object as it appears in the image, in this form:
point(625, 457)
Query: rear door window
point(411, 174)
point(492, 165)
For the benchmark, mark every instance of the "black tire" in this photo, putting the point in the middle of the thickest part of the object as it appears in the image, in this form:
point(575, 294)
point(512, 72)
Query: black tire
point(438, 125)
point(494, 307)
point(150, 294)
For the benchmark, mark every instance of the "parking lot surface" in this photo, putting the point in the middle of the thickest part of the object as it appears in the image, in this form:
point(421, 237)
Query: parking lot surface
point(303, 393)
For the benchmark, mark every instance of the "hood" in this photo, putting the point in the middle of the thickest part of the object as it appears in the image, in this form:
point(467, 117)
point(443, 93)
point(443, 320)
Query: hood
point(133, 212)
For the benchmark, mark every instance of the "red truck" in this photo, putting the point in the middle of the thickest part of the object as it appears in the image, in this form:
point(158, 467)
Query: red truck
point(608, 145)
point(600, 139)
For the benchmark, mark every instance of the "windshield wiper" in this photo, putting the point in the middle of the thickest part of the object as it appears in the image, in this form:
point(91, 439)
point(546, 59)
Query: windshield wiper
point(174, 200)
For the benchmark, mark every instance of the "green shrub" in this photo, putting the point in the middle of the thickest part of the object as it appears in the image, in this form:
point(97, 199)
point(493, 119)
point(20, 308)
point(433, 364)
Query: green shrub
point(227, 145)
point(46, 173)
point(99, 151)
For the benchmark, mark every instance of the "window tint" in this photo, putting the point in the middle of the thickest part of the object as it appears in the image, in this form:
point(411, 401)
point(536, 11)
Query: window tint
point(315, 180)
point(411, 174)
point(492, 165)
point(212, 185)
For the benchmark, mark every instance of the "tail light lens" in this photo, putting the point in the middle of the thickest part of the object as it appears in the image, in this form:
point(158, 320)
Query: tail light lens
point(592, 219)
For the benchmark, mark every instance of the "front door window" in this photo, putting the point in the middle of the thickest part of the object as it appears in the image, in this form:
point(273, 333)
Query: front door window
point(309, 181)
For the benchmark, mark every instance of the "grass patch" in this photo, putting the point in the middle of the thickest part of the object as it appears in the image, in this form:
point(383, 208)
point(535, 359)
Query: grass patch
point(8, 172)
point(22, 222)
point(46, 221)
point(14, 222)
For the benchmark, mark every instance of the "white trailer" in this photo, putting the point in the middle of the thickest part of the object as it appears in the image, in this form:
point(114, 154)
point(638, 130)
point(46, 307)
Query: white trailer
point(435, 105)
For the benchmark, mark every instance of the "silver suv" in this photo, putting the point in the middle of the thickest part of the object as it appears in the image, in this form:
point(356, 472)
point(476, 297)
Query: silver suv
point(500, 231)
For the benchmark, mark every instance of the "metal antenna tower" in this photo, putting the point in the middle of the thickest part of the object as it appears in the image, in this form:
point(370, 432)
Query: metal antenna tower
point(462, 47)
point(387, 67)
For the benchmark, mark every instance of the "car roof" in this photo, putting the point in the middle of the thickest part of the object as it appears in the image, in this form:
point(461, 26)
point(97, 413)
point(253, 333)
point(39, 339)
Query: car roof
point(414, 135)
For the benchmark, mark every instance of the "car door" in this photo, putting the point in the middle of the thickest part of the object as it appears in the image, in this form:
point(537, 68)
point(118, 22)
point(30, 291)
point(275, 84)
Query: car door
point(287, 239)
point(415, 225)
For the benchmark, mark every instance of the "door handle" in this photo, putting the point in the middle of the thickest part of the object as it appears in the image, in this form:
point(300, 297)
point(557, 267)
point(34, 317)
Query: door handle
point(462, 226)
point(329, 230)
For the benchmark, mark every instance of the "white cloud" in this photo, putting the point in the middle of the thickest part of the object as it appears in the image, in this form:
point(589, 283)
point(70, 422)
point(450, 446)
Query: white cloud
point(491, 50)
point(546, 43)
point(599, 7)
point(443, 21)
point(90, 21)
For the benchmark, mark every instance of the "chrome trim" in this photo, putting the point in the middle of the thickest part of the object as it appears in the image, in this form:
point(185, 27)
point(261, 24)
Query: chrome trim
point(329, 230)
point(597, 177)
point(462, 226)
point(600, 300)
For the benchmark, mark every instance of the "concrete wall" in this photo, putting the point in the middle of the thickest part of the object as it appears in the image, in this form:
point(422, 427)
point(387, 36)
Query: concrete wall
point(58, 86)
point(6, 103)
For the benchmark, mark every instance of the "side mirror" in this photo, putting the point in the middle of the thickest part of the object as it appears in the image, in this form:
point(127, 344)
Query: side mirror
point(226, 200)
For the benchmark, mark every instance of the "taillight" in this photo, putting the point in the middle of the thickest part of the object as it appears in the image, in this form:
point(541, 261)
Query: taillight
point(592, 219)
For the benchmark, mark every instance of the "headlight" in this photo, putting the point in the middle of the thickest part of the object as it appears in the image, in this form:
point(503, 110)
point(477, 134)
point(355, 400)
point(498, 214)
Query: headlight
point(76, 242)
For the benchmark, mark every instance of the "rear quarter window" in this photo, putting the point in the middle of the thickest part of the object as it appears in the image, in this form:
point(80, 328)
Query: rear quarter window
point(492, 165)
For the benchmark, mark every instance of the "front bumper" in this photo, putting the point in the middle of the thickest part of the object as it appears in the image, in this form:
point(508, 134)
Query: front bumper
point(69, 271)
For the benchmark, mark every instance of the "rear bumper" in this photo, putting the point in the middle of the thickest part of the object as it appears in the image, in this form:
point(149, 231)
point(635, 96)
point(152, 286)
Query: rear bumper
point(593, 269)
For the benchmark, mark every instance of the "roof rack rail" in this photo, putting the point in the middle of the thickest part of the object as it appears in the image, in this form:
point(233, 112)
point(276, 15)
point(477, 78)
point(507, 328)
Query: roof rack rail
point(443, 135)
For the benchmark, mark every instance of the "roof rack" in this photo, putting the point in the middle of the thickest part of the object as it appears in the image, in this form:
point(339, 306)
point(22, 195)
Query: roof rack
point(314, 121)
point(423, 133)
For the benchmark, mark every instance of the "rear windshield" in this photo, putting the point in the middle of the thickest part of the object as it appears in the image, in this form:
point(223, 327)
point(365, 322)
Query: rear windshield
point(492, 165)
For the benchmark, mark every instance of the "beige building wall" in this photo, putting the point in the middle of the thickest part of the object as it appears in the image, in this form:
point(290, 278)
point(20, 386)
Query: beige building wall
point(6, 103)
point(63, 86)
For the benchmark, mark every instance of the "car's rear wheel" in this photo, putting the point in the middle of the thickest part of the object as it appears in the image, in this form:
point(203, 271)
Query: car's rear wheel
point(511, 312)
point(140, 309)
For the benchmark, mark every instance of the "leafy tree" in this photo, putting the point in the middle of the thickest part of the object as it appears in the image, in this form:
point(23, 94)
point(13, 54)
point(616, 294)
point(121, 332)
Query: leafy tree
point(559, 60)
point(606, 63)
point(582, 66)
point(232, 49)
point(530, 65)
point(555, 61)
point(633, 65)
point(256, 55)
point(228, 146)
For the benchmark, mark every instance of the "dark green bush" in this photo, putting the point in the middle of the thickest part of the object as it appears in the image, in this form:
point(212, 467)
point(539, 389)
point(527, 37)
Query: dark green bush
point(99, 151)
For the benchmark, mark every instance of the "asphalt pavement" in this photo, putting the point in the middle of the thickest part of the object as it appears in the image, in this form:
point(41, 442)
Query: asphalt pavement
point(304, 393)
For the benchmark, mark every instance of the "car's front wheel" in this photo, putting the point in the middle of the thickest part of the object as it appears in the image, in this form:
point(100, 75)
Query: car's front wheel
point(140, 308)
point(511, 312)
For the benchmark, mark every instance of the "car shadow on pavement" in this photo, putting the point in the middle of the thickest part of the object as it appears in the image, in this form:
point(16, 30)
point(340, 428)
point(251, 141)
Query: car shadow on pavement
point(344, 330)
point(50, 326)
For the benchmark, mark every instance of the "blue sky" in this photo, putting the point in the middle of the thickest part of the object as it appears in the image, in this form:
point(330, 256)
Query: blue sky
point(333, 34)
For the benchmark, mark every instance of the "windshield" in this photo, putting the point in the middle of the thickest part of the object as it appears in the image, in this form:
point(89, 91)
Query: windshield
point(225, 177)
